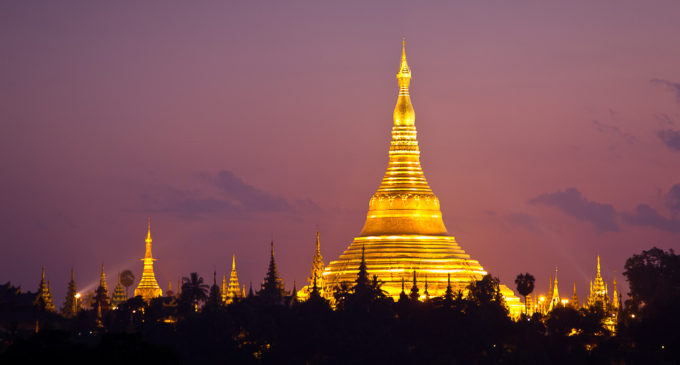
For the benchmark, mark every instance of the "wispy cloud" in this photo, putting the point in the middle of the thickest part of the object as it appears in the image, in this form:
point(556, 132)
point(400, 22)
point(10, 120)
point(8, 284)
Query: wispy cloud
point(647, 216)
point(673, 200)
point(607, 128)
point(671, 138)
point(523, 220)
point(573, 203)
point(234, 198)
point(673, 87)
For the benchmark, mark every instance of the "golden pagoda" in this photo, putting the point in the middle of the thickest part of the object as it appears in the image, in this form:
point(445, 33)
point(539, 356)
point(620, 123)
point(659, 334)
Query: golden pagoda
point(102, 280)
point(234, 289)
point(148, 287)
point(404, 230)
point(598, 289)
point(315, 274)
point(555, 295)
point(44, 296)
point(118, 295)
point(574, 299)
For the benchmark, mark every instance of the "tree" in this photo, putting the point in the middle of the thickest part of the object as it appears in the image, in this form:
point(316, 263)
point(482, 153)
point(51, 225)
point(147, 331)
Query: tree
point(272, 290)
point(127, 278)
point(651, 316)
point(525, 285)
point(215, 297)
point(194, 291)
point(485, 291)
point(653, 276)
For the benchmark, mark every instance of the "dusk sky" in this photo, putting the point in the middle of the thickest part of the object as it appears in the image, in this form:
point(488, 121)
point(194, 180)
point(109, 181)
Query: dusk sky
point(549, 133)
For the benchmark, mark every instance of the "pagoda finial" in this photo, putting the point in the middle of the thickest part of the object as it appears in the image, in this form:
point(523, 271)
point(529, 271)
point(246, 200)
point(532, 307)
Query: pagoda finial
point(43, 272)
point(403, 111)
point(148, 229)
point(598, 264)
point(233, 262)
point(404, 70)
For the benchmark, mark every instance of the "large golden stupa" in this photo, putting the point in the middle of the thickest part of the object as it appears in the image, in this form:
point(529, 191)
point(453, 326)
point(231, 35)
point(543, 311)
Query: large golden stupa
point(404, 231)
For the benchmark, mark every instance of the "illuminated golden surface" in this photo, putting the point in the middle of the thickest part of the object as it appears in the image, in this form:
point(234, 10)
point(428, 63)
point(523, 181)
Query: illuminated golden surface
point(148, 287)
point(404, 230)
point(234, 289)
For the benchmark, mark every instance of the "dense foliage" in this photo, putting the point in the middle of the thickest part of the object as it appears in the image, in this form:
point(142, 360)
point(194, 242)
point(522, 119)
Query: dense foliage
point(366, 327)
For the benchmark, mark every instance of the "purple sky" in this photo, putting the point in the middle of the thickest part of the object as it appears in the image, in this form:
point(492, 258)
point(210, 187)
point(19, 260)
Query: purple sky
point(550, 134)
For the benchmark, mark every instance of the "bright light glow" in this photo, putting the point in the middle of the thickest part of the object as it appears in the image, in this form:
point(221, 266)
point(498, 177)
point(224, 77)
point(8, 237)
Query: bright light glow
point(404, 232)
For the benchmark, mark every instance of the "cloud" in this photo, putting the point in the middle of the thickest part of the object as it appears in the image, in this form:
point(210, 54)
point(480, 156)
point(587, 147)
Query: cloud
point(573, 203)
point(647, 216)
point(673, 199)
point(225, 194)
point(665, 119)
point(245, 196)
point(670, 138)
point(522, 220)
point(674, 87)
point(606, 128)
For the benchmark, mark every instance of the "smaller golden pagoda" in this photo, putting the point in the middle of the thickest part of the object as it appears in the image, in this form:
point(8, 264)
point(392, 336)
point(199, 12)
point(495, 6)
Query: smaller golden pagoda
point(102, 281)
point(316, 273)
point(148, 287)
point(598, 289)
point(234, 289)
point(44, 296)
point(574, 299)
point(118, 296)
point(555, 295)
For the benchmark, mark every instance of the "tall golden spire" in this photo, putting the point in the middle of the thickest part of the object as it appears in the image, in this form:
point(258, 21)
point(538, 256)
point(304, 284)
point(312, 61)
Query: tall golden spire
point(148, 287)
point(403, 111)
point(555, 295)
point(404, 230)
point(102, 279)
point(404, 202)
point(234, 289)
point(598, 291)
point(44, 296)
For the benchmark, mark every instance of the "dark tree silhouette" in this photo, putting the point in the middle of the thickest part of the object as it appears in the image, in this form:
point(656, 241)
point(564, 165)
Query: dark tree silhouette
point(214, 301)
point(127, 278)
point(485, 291)
point(525, 285)
point(272, 290)
point(653, 275)
point(194, 291)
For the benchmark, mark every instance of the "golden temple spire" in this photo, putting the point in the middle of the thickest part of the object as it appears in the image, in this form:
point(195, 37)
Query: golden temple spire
point(404, 114)
point(148, 287)
point(102, 279)
point(148, 227)
point(598, 265)
point(234, 289)
point(404, 230)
